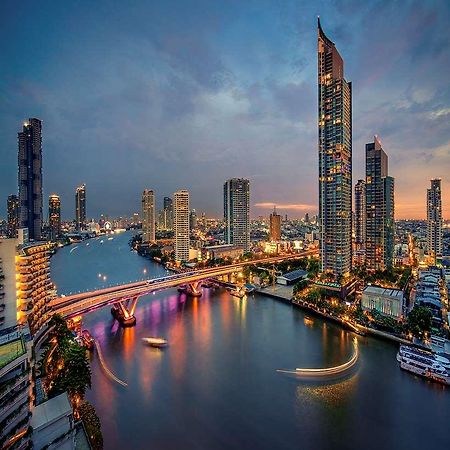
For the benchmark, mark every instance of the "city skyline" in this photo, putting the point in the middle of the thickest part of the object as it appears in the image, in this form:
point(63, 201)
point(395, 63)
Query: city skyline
point(268, 101)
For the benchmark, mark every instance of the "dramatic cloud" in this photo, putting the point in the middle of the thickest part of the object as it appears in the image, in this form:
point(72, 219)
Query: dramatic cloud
point(170, 95)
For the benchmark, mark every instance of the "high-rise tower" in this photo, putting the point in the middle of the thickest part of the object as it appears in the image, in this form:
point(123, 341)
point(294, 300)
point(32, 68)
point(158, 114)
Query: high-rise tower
point(13, 215)
point(360, 214)
point(168, 213)
point(236, 201)
point(80, 207)
point(181, 225)
point(54, 217)
point(30, 177)
point(335, 159)
point(434, 219)
point(275, 226)
point(379, 208)
point(148, 216)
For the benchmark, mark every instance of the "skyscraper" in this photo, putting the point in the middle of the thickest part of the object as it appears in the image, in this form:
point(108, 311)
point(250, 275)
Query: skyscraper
point(30, 177)
point(236, 201)
point(80, 207)
point(193, 219)
point(13, 215)
point(181, 225)
point(360, 214)
point(168, 213)
point(275, 226)
point(335, 159)
point(54, 217)
point(379, 208)
point(148, 216)
point(434, 219)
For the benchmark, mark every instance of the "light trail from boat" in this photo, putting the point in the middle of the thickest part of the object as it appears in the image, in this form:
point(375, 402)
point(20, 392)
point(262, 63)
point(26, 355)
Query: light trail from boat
point(327, 371)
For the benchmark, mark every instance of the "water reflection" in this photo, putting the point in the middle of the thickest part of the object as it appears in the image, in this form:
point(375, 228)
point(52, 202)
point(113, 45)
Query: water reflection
point(329, 394)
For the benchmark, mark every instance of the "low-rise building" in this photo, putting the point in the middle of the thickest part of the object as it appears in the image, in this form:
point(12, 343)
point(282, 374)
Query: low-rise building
point(292, 277)
point(387, 301)
point(222, 251)
point(53, 424)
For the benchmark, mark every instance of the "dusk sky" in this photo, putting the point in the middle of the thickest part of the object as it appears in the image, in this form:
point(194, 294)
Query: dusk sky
point(185, 94)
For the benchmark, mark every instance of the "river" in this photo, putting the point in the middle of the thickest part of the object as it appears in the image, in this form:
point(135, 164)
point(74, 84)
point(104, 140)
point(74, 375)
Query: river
point(216, 387)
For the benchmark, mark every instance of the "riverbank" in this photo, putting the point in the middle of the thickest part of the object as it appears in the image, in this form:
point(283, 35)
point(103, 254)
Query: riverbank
point(356, 328)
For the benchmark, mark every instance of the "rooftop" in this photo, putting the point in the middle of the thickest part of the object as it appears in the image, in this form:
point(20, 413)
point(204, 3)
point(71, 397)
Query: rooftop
point(291, 276)
point(50, 411)
point(386, 292)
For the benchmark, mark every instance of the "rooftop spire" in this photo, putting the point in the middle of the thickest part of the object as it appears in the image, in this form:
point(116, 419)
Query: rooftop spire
point(322, 35)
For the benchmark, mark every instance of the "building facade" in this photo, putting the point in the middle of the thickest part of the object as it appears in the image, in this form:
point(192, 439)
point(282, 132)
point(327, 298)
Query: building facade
point(54, 217)
point(236, 195)
point(181, 225)
point(30, 178)
point(148, 216)
point(387, 301)
point(80, 207)
point(434, 219)
point(379, 244)
point(35, 289)
point(12, 207)
point(275, 226)
point(360, 214)
point(168, 213)
point(335, 159)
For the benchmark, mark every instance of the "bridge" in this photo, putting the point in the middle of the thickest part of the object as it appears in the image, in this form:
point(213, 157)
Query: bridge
point(124, 297)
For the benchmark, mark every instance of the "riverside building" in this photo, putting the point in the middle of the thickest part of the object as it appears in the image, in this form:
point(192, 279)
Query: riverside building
point(335, 159)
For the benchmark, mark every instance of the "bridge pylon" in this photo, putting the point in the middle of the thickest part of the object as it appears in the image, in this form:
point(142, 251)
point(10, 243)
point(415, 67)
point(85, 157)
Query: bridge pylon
point(123, 311)
point(194, 289)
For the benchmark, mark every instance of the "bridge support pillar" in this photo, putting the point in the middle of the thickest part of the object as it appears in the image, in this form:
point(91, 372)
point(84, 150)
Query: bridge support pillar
point(194, 289)
point(123, 312)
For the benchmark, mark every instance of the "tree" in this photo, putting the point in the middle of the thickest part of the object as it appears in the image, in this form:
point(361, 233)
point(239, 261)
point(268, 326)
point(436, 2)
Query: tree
point(92, 424)
point(419, 321)
point(300, 286)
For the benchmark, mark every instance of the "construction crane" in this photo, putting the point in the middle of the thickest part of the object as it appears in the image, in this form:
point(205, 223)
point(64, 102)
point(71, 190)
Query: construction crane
point(272, 272)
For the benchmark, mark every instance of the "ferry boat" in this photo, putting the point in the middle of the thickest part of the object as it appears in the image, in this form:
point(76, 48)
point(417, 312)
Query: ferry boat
point(424, 364)
point(157, 342)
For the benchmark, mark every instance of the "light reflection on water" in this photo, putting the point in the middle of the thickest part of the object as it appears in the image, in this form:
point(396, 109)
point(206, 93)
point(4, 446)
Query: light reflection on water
point(330, 393)
point(216, 387)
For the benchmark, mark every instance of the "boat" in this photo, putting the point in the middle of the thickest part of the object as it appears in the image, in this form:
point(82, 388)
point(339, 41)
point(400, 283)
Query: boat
point(249, 288)
point(88, 340)
point(423, 363)
point(326, 371)
point(157, 342)
point(238, 292)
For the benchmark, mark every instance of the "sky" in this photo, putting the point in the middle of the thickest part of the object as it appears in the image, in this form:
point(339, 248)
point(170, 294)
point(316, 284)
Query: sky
point(173, 94)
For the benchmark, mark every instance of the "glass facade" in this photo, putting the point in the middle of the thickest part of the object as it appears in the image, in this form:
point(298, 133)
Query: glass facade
point(335, 159)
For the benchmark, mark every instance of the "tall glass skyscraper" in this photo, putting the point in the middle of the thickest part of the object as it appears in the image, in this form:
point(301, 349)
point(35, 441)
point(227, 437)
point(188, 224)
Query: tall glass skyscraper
point(379, 208)
point(434, 219)
point(30, 177)
point(54, 217)
point(168, 213)
point(80, 207)
point(335, 159)
point(360, 214)
point(236, 205)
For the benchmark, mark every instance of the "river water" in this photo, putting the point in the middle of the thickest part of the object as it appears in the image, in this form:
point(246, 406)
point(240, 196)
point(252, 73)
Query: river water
point(216, 386)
